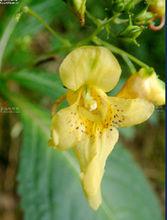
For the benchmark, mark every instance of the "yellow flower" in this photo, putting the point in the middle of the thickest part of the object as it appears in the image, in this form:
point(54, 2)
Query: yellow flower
point(89, 124)
point(157, 6)
point(144, 85)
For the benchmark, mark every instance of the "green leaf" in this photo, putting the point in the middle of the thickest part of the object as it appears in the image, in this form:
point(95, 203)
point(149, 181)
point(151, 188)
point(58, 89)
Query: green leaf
point(54, 8)
point(28, 27)
point(45, 83)
point(49, 180)
point(5, 37)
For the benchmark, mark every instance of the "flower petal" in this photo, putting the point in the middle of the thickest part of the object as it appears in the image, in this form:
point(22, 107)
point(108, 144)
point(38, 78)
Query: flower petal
point(130, 111)
point(90, 65)
point(66, 129)
point(92, 154)
point(144, 85)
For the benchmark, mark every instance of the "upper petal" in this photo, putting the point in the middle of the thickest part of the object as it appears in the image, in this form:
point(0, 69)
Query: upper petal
point(90, 65)
point(128, 112)
point(66, 129)
point(92, 154)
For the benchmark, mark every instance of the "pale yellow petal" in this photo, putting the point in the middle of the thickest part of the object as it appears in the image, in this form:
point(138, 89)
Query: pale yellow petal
point(157, 6)
point(144, 85)
point(92, 154)
point(72, 96)
point(90, 65)
point(66, 129)
point(93, 102)
point(129, 112)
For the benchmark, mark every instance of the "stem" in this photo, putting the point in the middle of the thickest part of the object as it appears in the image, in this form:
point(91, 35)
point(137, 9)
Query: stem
point(117, 50)
point(90, 37)
point(107, 21)
point(99, 22)
point(43, 22)
point(100, 26)
point(129, 64)
point(93, 19)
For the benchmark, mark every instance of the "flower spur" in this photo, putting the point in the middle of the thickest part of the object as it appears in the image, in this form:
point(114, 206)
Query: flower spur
point(89, 125)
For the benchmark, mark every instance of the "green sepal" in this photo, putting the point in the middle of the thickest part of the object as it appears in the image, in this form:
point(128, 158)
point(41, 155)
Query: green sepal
point(144, 17)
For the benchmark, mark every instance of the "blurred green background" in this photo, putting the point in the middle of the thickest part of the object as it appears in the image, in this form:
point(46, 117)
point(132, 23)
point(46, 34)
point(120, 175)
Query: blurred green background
point(30, 67)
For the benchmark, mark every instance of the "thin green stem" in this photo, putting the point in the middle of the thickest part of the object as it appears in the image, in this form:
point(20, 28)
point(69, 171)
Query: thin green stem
point(90, 37)
point(63, 40)
point(99, 22)
point(119, 51)
point(107, 21)
point(93, 19)
point(129, 64)
point(100, 26)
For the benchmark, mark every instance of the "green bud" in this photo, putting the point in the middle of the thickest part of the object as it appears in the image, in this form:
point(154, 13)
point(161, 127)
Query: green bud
point(132, 31)
point(118, 5)
point(79, 7)
point(144, 17)
point(124, 5)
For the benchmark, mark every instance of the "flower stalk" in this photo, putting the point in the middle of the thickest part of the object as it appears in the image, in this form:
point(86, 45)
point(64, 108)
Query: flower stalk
point(63, 40)
point(119, 51)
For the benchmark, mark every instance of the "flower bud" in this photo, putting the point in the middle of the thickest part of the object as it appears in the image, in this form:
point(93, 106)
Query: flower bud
point(157, 6)
point(131, 33)
point(79, 6)
point(118, 5)
point(124, 5)
point(144, 85)
point(143, 17)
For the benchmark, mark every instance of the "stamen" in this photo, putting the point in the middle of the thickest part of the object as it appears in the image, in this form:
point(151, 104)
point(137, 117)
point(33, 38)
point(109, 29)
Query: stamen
point(89, 102)
point(93, 106)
